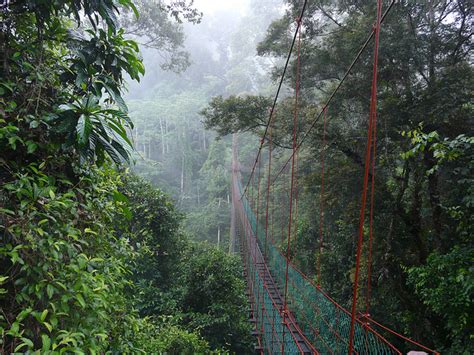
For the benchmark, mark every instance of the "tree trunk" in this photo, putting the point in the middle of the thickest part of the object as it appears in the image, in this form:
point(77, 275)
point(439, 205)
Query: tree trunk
point(431, 54)
point(182, 177)
point(433, 193)
point(198, 197)
point(166, 131)
point(162, 137)
point(416, 222)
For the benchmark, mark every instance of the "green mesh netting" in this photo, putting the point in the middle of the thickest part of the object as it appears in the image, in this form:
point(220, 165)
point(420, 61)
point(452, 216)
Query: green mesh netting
point(274, 332)
point(325, 324)
point(267, 314)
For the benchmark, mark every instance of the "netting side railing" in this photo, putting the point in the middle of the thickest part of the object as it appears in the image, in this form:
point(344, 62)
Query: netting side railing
point(324, 322)
point(275, 332)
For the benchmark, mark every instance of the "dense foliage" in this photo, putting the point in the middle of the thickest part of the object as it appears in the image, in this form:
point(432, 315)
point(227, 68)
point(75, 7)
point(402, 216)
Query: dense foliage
point(196, 286)
point(91, 258)
point(422, 266)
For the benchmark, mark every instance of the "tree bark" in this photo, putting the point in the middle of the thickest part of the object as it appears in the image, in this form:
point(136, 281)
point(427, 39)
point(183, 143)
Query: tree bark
point(182, 177)
point(162, 137)
point(415, 217)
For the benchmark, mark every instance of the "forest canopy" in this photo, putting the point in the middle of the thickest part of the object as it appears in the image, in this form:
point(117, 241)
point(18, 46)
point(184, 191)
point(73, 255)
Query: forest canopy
point(119, 121)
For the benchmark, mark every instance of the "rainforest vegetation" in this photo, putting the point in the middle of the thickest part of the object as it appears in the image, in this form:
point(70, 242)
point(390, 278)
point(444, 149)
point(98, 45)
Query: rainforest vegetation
point(116, 124)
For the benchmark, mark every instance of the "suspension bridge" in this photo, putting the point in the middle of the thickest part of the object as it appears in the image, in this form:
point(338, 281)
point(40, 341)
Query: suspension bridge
point(291, 312)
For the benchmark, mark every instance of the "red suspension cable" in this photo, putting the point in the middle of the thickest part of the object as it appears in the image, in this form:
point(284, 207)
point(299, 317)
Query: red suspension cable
point(295, 124)
point(371, 223)
point(370, 132)
point(321, 200)
point(295, 218)
point(268, 183)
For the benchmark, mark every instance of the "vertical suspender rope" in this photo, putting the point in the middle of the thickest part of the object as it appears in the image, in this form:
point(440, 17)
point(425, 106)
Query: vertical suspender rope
point(258, 202)
point(295, 218)
point(292, 186)
point(268, 183)
point(262, 278)
point(370, 132)
point(251, 249)
point(371, 223)
point(272, 190)
point(255, 241)
point(321, 199)
point(283, 202)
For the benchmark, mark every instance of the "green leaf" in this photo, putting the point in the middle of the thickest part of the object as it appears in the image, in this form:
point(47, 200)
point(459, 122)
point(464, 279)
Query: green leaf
point(83, 129)
point(14, 329)
point(81, 301)
point(28, 342)
point(127, 213)
point(31, 147)
point(120, 197)
point(20, 346)
point(46, 343)
point(34, 124)
point(50, 290)
point(115, 94)
point(48, 326)
point(44, 314)
point(22, 315)
point(4, 210)
point(90, 231)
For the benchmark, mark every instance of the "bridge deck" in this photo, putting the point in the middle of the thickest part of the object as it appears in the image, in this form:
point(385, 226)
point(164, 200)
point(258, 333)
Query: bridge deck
point(288, 334)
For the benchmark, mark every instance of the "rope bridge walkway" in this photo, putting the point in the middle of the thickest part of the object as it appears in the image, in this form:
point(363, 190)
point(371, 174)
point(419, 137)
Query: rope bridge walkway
point(292, 313)
point(309, 321)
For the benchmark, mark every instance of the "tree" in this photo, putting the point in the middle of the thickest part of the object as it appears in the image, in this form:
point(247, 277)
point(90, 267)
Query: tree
point(236, 114)
point(155, 234)
point(214, 301)
point(156, 28)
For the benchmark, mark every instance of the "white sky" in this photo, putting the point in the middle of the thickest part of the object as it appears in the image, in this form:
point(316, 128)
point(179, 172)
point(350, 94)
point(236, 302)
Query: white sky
point(211, 6)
